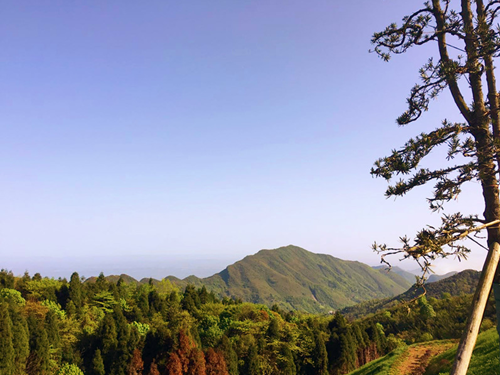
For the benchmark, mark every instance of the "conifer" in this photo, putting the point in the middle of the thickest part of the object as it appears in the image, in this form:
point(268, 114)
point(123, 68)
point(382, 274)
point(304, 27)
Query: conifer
point(136, 364)
point(215, 364)
point(20, 339)
point(38, 362)
point(174, 365)
point(153, 369)
point(76, 291)
point(98, 364)
point(196, 362)
point(230, 355)
point(6, 346)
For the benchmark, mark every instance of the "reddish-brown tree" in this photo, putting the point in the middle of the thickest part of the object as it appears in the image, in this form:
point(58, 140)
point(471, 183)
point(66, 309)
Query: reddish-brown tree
point(153, 369)
point(215, 363)
point(184, 350)
point(174, 366)
point(136, 363)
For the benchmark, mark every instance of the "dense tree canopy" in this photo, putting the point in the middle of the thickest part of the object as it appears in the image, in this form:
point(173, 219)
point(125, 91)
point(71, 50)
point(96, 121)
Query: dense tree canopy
point(211, 336)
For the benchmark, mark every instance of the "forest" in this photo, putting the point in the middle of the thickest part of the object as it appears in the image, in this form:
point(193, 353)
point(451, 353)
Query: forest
point(50, 326)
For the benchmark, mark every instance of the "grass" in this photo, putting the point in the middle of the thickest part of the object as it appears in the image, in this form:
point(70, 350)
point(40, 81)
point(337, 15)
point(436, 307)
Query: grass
point(382, 365)
point(389, 364)
point(485, 358)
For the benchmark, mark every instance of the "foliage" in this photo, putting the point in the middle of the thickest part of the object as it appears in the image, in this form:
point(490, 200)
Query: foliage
point(69, 369)
point(156, 333)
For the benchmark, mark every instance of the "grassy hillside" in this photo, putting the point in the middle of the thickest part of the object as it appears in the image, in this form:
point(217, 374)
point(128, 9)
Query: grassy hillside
point(294, 278)
point(485, 358)
point(408, 276)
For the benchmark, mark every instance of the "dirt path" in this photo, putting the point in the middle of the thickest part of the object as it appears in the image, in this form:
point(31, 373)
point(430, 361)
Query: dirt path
point(417, 358)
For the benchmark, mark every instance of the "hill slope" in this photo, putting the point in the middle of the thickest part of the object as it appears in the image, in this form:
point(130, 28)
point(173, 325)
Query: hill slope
point(294, 278)
point(464, 282)
point(408, 276)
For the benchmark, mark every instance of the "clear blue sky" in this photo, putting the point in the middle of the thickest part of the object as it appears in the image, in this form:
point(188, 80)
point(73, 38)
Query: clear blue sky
point(177, 137)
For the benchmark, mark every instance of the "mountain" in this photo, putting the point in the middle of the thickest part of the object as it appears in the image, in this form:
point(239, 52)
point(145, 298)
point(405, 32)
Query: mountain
point(464, 282)
point(408, 276)
point(433, 278)
point(114, 279)
point(294, 278)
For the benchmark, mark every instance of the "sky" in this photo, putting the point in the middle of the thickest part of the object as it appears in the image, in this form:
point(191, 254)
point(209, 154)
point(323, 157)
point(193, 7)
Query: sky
point(177, 137)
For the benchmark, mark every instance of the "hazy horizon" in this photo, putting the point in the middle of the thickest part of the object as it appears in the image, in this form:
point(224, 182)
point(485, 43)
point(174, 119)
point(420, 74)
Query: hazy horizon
point(161, 266)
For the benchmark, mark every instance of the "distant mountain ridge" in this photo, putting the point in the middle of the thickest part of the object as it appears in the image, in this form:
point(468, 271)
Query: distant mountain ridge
point(408, 276)
point(296, 279)
point(464, 282)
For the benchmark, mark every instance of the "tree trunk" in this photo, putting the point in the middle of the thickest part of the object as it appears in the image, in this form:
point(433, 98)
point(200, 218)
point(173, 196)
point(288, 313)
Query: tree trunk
point(468, 340)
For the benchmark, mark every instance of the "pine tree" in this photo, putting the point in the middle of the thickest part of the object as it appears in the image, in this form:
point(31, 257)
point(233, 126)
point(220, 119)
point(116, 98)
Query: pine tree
point(6, 345)
point(473, 152)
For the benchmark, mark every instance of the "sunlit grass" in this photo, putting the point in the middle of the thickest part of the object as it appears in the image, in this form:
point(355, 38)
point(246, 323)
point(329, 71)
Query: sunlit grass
point(485, 358)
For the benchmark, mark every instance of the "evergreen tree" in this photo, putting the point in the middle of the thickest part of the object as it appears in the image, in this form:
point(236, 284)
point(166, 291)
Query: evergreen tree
point(38, 362)
point(273, 331)
point(253, 360)
point(286, 363)
point(230, 355)
point(76, 291)
point(123, 349)
point(6, 279)
point(319, 355)
point(7, 355)
point(98, 364)
point(20, 340)
point(52, 328)
point(109, 341)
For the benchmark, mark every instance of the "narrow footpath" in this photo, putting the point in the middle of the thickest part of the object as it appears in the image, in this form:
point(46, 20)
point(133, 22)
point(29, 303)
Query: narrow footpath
point(418, 357)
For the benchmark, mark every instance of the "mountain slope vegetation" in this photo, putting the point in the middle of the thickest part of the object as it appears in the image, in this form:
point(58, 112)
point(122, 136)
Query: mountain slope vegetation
point(296, 279)
point(464, 282)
